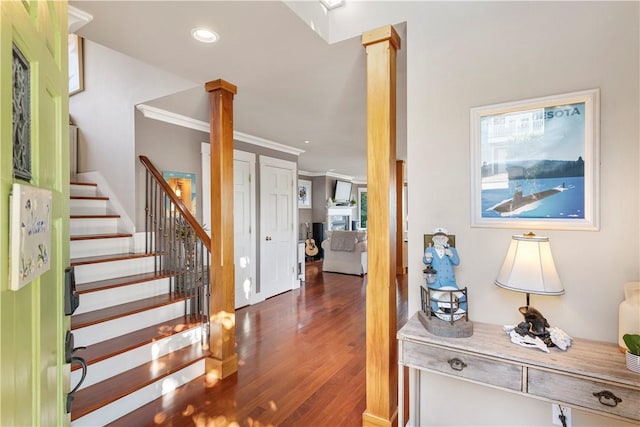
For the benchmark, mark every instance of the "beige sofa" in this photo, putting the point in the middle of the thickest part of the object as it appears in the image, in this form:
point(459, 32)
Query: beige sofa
point(345, 252)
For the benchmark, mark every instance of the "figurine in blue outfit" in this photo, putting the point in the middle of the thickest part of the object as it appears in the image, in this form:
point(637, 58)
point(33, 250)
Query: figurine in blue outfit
point(442, 258)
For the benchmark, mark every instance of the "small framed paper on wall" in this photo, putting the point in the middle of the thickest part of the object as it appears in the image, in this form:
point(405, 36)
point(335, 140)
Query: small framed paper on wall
point(30, 234)
point(304, 194)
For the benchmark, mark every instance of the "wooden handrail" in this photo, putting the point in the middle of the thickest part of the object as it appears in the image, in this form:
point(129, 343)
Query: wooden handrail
point(204, 237)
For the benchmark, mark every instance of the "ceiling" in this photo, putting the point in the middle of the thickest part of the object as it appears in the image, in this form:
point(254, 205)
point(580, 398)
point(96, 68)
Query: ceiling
point(292, 85)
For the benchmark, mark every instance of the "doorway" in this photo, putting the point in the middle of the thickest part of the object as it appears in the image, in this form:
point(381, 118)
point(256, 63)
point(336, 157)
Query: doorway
point(244, 220)
point(278, 235)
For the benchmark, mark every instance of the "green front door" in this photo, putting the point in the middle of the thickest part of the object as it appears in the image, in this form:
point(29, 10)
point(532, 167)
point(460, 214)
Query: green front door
point(33, 376)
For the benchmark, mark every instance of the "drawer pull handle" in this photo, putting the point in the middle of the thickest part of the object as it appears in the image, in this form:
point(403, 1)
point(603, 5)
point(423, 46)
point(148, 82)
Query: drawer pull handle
point(607, 398)
point(457, 364)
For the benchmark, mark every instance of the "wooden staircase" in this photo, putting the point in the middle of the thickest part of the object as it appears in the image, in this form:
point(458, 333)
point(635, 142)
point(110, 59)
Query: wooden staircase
point(140, 342)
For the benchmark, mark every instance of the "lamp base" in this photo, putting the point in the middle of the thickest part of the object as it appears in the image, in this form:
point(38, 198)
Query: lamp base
point(534, 325)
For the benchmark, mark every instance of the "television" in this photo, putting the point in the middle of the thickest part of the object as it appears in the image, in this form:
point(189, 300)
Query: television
point(342, 191)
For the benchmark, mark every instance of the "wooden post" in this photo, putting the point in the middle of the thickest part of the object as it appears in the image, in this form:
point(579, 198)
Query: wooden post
point(223, 360)
point(381, 358)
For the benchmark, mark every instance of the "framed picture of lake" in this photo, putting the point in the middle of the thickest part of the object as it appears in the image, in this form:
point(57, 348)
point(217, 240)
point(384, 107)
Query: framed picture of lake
point(535, 163)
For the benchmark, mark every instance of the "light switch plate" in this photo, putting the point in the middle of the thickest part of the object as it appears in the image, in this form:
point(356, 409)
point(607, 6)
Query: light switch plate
point(555, 410)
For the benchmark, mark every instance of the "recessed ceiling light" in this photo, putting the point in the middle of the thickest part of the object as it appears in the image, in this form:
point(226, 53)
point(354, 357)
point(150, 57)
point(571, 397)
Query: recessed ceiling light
point(306, 141)
point(204, 35)
point(332, 4)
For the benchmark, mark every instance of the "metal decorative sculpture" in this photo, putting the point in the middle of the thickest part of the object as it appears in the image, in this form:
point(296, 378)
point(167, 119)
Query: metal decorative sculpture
point(21, 116)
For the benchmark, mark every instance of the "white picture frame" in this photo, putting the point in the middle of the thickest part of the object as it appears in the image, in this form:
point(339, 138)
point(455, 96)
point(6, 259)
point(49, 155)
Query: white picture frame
point(535, 163)
point(76, 64)
point(304, 194)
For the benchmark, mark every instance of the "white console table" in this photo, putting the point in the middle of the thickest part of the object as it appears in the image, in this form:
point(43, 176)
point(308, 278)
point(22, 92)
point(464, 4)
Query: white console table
point(590, 375)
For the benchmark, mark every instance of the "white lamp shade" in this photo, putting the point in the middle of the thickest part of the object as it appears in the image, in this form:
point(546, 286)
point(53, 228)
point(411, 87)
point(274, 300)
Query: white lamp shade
point(529, 267)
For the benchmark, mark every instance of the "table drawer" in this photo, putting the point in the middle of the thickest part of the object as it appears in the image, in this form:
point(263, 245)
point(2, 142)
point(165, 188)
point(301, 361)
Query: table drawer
point(608, 398)
point(463, 365)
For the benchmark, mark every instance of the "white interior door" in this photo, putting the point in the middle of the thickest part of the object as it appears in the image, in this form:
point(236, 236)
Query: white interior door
point(244, 226)
point(244, 219)
point(277, 231)
point(205, 152)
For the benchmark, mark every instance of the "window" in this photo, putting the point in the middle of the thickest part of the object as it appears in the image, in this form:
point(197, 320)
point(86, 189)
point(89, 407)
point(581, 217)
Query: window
point(362, 203)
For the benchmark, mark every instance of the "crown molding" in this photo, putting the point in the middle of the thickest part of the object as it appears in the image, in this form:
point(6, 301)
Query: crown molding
point(330, 174)
point(256, 140)
point(77, 19)
point(339, 176)
point(173, 118)
point(200, 125)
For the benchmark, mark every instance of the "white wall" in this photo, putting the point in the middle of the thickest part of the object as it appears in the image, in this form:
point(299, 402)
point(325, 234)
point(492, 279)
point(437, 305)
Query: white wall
point(170, 148)
point(465, 55)
point(104, 112)
point(462, 55)
point(512, 51)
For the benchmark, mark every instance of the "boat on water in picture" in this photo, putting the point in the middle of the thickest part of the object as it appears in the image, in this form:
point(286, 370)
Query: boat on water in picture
point(520, 202)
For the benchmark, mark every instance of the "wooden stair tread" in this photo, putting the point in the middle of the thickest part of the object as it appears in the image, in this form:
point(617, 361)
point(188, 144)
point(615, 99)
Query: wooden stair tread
point(183, 397)
point(111, 257)
point(100, 285)
point(100, 236)
point(90, 184)
point(98, 395)
point(138, 343)
point(88, 198)
point(93, 317)
point(118, 345)
point(94, 216)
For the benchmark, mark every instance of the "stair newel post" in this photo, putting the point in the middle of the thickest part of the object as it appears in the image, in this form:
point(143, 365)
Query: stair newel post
point(223, 360)
point(381, 46)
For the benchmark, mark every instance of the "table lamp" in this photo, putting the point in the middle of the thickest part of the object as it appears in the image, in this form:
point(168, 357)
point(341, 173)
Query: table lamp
point(529, 268)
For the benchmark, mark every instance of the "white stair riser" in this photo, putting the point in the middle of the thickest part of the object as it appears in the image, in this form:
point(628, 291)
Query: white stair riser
point(84, 226)
point(133, 401)
point(123, 294)
point(88, 207)
point(125, 325)
point(107, 270)
point(83, 190)
point(92, 301)
point(123, 362)
point(96, 247)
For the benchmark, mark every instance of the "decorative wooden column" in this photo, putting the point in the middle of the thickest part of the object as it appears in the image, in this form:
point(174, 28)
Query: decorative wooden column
point(381, 358)
point(223, 360)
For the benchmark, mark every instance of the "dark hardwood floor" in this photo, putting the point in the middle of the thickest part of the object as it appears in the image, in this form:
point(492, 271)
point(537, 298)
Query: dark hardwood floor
point(302, 363)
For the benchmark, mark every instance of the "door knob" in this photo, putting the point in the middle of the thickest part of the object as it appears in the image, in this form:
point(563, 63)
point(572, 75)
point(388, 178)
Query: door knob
point(70, 349)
